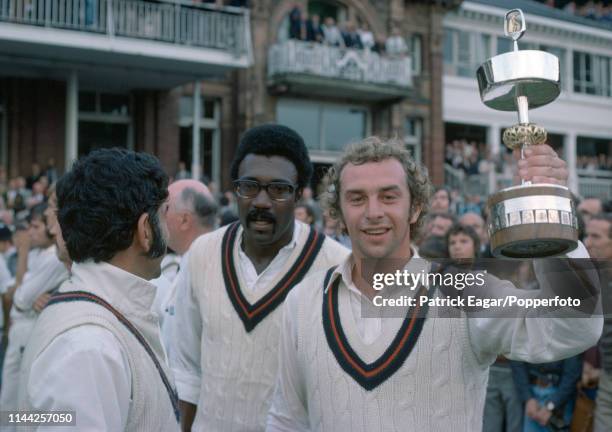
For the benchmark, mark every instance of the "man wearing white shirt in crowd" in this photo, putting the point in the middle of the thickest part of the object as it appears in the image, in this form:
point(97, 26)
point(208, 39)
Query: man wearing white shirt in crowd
point(395, 44)
point(6, 280)
point(192, 212)
point(44, 273)
point(331, 33)
point(96, 348)
point(341, 369)
point(227, 311)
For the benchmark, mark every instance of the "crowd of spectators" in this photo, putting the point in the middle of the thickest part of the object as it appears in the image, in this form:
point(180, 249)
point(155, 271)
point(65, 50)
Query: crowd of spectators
point(600, 10)
point(594, 163)
point(19, 194)
point(311, 28)
point(475, 158)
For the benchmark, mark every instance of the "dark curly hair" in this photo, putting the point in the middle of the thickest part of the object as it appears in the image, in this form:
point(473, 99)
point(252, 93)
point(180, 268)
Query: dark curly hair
point(457, 229)
point(275, 140)
point(102, 197)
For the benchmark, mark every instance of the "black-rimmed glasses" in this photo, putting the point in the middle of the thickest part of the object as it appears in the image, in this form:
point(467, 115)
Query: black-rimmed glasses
point(278, 191)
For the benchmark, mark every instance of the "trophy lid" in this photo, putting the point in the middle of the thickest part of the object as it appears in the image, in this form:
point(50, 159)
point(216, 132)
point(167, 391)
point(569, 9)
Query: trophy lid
point(529, 73)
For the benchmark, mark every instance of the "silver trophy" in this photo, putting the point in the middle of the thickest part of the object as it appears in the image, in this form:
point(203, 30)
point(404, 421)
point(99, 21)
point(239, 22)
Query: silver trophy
point(530, 220)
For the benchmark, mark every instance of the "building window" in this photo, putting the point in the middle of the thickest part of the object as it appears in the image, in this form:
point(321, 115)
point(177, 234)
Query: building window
point(464, 52)
point(415, 46)
point(104, 121)
point(326, 128)
point(592, 74)
point(413, 137)
point(210, 136)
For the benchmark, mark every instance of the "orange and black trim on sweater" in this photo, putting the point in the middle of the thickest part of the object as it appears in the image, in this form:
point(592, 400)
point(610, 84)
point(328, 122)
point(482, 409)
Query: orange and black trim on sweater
point(253, 314)
point(371, 375)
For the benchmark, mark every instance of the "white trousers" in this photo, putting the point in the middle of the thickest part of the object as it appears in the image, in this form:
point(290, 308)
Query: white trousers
point(18, 336)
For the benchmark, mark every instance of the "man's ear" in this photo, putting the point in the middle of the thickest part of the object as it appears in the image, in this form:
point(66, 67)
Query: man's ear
point(186, 219)
point(298, 194)
point(415, 213)
point(144, 234)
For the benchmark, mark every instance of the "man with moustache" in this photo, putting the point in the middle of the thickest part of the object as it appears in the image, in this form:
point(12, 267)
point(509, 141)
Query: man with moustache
point(96, 348)
point(228, 314)
point(343, 369)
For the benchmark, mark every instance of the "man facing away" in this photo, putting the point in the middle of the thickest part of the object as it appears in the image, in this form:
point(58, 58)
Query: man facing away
point(227, 312)
point(95, 349)
point(192, 212)
point(343, 370)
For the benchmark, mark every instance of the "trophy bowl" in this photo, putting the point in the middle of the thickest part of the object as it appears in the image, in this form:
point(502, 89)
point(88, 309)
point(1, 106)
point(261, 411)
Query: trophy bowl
point(519, 73)
point(532, 221)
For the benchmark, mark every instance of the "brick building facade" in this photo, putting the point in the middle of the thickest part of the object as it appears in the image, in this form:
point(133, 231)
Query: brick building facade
point(140, 105)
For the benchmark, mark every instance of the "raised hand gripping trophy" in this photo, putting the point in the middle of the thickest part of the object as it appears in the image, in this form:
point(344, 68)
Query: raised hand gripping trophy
point(530, 220)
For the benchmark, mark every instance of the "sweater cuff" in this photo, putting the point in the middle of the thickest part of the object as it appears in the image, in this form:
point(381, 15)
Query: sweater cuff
point(187, 386)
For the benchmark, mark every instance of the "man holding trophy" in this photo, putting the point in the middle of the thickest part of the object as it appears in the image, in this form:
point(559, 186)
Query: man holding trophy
point(344, 369)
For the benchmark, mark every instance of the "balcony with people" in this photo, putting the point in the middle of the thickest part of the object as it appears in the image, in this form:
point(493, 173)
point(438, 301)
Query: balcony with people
point(172, 38)
point(329, 53)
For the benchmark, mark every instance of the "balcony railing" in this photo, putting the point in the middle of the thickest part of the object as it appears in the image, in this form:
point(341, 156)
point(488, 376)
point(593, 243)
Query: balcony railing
point(177, 22)
point(297, 57)
point(595, 183)
point(591, 183)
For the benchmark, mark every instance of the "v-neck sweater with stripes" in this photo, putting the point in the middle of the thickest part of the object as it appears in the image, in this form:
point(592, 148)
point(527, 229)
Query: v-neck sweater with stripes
point(417, 374)
point(240, 330)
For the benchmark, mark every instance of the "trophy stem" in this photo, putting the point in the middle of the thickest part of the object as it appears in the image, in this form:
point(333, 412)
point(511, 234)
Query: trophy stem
point(522, 105)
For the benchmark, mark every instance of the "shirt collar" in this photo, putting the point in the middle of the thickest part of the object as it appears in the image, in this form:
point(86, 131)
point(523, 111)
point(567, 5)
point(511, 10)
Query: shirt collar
point(130, 294)
point(345, 269)
point(297, 231)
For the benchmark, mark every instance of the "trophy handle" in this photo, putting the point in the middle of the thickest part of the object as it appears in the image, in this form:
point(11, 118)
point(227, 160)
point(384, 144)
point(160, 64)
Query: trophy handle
point(515, 26)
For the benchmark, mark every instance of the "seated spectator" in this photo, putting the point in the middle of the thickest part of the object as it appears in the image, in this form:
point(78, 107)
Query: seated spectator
point(331, 32)
point(473, 204)
point(351, 37)
point(304, 213)
point(182, 172)
point(462, 242)
point(366, 37)
point(38, 194)
point(33, 178)
point(396, 45)
point(335, 229)
point(590, 207)
point(295, 23)
point(439, 224)
point(440, 201)
point(477, 223)
point(379, 45)
point(304, 23)
point(433, 247)
point(570, 7)
point(314, 31)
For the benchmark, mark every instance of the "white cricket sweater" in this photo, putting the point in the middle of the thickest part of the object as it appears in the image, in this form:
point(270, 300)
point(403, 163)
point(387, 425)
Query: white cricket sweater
point(150, 408)
point(239, 367)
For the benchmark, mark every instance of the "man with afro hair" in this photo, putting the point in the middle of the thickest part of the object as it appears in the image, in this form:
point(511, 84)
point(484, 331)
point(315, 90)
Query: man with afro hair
point(228, 313)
